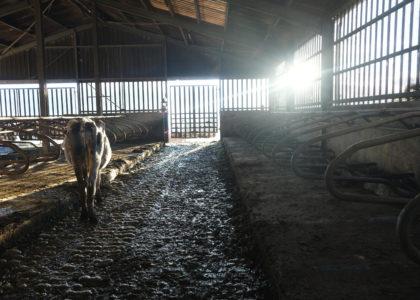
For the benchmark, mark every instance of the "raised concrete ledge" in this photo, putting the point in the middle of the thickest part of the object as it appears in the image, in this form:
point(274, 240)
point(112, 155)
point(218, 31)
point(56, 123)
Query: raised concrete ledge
point(128, 159)
point(312, 246)
point(28, 213)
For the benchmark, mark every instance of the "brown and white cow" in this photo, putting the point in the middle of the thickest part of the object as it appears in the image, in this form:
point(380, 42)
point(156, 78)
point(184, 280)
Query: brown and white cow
point(87, 148)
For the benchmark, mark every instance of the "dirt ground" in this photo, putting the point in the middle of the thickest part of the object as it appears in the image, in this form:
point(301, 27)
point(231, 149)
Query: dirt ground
point(315, 247)
point(172, 229)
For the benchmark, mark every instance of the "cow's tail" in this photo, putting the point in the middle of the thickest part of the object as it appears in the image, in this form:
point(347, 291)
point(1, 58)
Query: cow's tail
point(90, 141)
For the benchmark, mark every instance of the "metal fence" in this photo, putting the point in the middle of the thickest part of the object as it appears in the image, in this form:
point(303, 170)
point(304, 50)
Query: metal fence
point(18, 102)
point(126, 97)
point(117, 97)
point(306, 76)
point(24, 102)
point(123, 96)
point(377, 52)
point(194, 110)
point(62, 102)
point(244, 94)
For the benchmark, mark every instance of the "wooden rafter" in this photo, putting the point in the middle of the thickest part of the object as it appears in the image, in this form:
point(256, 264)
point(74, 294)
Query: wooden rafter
point(243, 39)
point(80, 9)
point(14, 28)
point(52, 20)
point(170, 6)
point(213, 50)
point(49, 38)
point(228, 4)
point(293, 16)
point(197, 11)
point(15, 8)
point(143, 3)
point(184, 37)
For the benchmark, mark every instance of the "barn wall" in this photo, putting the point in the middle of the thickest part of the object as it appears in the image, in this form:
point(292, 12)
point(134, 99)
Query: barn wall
point(154, 121)
point(122, 56)
point(128, 56)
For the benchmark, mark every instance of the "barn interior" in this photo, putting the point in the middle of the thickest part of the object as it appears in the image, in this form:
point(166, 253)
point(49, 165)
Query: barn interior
point(261, 149)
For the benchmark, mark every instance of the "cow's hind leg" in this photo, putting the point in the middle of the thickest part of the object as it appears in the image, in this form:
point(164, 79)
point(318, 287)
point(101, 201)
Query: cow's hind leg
point(98, 194)
point(81, 182)
point(91, 190)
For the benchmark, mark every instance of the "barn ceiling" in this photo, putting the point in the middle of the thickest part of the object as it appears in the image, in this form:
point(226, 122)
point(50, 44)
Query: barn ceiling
point(250, 28)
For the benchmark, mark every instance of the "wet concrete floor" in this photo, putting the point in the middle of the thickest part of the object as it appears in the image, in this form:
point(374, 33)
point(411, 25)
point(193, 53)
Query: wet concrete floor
point(173, 229)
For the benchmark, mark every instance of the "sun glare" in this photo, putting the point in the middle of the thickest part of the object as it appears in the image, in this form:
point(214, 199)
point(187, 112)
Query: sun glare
point(298, 76)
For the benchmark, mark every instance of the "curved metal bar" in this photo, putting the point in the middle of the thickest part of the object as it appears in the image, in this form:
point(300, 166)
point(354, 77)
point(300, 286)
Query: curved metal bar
point(302, 131)
point(48, 156)
point(4, 164)
point(337, 162)
point(406, 218)
point(374, 124)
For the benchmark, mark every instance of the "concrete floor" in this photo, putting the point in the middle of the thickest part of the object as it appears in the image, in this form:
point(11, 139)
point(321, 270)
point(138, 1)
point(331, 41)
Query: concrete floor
point(171, 229)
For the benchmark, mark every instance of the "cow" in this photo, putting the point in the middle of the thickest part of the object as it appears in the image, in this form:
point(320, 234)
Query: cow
point(87, 148)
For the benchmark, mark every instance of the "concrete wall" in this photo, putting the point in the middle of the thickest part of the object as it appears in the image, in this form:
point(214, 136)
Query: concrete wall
point(155, 122)
point(403, 156)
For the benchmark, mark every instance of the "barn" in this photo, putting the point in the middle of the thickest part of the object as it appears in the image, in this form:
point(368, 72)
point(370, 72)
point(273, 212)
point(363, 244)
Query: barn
point(260, 149)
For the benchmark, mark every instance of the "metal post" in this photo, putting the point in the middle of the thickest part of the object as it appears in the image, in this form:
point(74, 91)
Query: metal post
point(327, 64)
point(96, 71)
point(40, 59)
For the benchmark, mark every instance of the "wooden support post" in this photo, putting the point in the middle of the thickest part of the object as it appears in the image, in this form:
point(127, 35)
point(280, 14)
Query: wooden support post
point(76, 73)
point(327, 64)
point(96, 71)
point(165, 59)
point(40, 59)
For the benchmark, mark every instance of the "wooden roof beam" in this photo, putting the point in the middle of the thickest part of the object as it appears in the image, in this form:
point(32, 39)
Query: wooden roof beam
point(14, 8)
point(228, 5)
point(143, 3)
point(246, 40)
point(170, 7)
point(50, 19)
point(11, 9)
point(197, 11)
point(49, 38)
point(184, 37)
point(14, 28)
point(161, 37)
point(293, 16)
point(80, 9)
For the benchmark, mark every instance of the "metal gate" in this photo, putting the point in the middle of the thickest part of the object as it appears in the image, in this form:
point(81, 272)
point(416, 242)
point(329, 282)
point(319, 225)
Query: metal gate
point(194, 111)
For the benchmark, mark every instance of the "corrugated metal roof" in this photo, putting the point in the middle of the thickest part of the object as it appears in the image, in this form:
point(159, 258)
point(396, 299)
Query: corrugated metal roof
point(211, 11)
